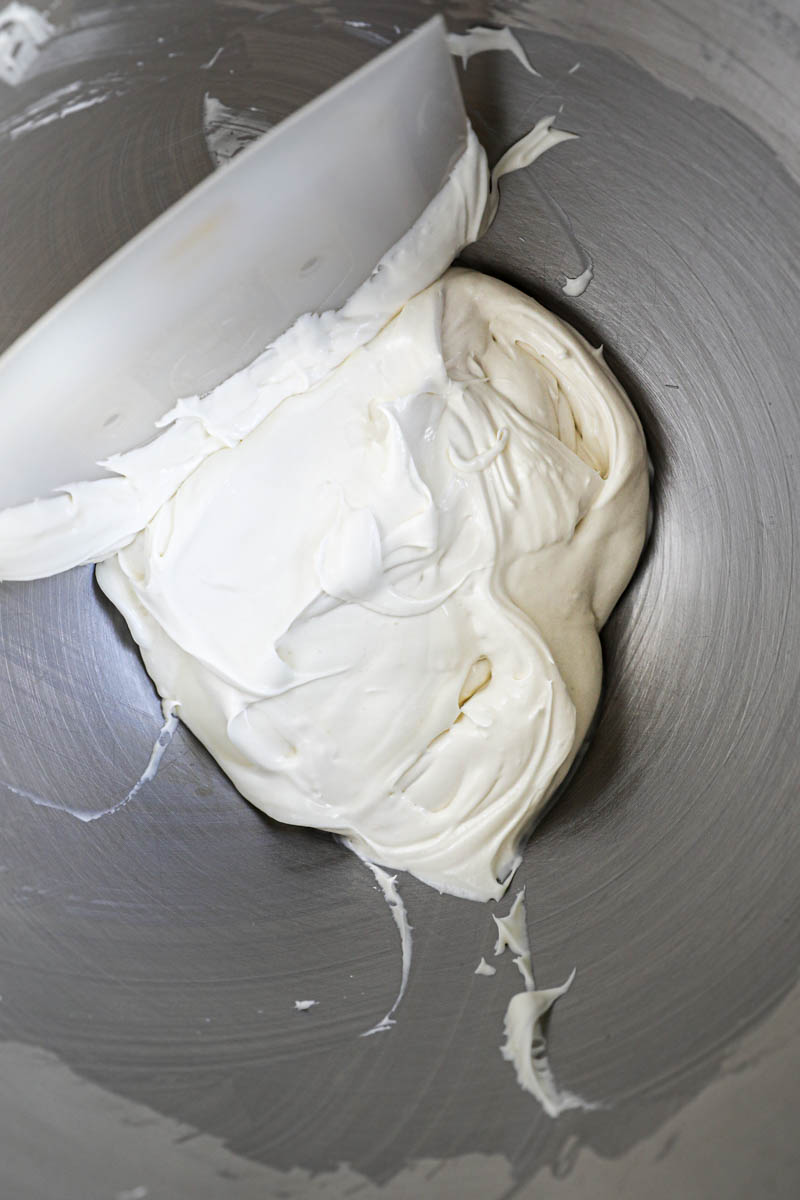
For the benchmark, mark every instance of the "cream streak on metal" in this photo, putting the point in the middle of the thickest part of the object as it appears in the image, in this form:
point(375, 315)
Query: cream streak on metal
point(512, 934)
point(74, 97)
point(169, 710)
point(522, 154)
point(525, 1046)
point(479, 39)
point(229, 130)
point(388, 885)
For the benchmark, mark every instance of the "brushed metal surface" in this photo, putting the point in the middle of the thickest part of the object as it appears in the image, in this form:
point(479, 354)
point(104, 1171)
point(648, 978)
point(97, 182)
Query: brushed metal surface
point(157, 953)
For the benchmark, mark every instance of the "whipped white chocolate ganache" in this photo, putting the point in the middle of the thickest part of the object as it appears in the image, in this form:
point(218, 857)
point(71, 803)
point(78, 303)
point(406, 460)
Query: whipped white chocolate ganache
point(370, 569)
point(379, 610)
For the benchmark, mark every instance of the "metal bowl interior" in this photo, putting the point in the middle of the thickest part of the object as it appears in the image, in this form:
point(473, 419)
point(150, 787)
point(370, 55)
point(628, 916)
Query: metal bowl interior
point(151, 959)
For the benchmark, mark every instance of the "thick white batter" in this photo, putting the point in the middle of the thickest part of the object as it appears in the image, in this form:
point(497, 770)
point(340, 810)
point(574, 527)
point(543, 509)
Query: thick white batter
point(379, 610)
point(371, 567)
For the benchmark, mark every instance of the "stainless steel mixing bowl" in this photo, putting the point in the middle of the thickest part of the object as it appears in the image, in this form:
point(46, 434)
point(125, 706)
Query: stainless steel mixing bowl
point(150, 960)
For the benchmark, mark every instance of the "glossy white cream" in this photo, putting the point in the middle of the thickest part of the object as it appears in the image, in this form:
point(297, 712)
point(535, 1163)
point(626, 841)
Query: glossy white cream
point(379, 610)
point(371, 567)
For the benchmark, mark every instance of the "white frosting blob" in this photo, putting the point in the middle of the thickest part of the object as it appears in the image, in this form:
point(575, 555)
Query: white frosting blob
point(371, 566)
point(576, 285)
point(379, 610)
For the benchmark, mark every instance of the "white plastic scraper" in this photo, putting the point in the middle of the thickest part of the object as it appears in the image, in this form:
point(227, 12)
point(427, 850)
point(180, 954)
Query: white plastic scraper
point(294, 224)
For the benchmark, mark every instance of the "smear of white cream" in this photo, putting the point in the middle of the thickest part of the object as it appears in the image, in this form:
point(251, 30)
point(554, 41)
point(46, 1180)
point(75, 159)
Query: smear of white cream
point(63, 102)
point(576, 285)
point(388, 885)
point(522, 154)
point(572, 285)
point(525, 1046)
point(55, 115)
point(363, 30)
point(23, 32)
point(206, 66)
point(168, 708)
point(479, 40)
point(512, 934)
point(229, 130)
point(484, 968)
